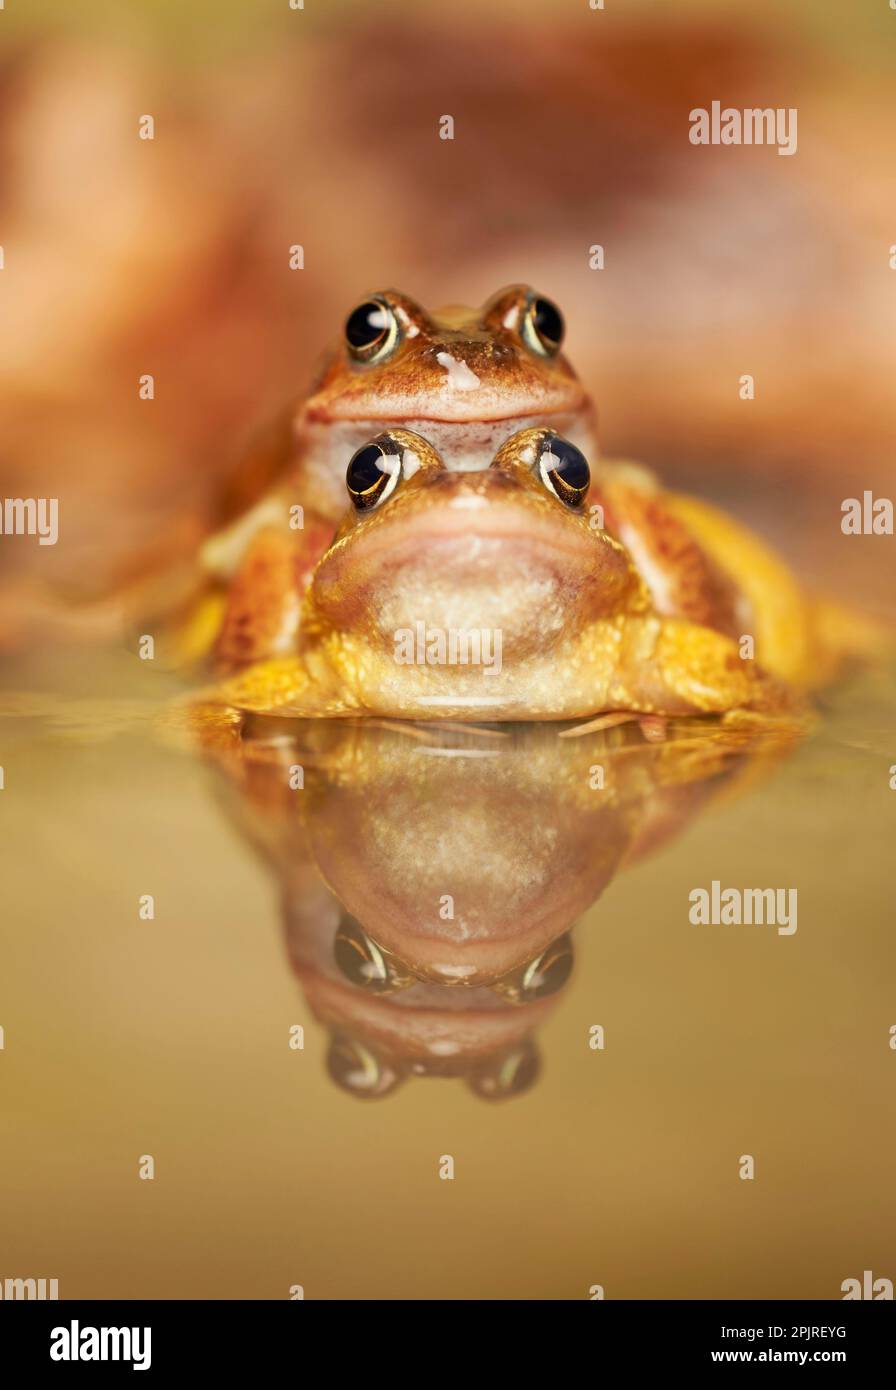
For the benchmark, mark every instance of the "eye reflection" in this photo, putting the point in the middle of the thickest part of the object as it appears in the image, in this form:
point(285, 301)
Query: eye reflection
point(507, 1075)
point(355, 1068)
point(541, 977)
point(362, 962)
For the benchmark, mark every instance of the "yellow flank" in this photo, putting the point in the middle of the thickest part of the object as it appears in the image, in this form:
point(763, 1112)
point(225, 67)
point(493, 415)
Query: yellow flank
point(195, 636)
point(788, 641)
point(844, 634)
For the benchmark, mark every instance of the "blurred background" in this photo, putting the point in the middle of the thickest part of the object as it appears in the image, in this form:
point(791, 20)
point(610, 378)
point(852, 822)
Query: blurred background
point(319, 126)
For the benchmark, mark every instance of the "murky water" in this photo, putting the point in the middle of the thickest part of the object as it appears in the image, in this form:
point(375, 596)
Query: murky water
point(482, 940)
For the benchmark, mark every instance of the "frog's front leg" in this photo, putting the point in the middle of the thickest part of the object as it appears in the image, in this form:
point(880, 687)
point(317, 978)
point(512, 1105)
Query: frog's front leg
point(295, 686)
point(262, 612)
point(673, 667)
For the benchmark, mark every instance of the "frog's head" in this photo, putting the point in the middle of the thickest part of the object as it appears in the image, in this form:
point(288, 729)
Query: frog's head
point(464, 378)
point(511, 558)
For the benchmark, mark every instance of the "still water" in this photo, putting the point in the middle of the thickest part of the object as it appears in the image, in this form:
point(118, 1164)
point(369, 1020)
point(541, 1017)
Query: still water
point(442, 945)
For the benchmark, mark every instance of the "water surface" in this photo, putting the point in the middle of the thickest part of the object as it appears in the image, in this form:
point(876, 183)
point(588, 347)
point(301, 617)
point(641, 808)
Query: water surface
point(574, 1166)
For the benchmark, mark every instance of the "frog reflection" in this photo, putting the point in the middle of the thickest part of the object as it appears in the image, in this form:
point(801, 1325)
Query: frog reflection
point(431, 875)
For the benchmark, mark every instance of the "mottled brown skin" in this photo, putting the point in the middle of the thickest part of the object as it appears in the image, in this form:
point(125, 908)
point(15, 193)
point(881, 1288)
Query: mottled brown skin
point(683, 578)
point(412, 385)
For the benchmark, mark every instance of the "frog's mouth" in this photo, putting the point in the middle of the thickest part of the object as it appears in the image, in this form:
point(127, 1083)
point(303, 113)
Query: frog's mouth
point(474, 566)
point(462, 398)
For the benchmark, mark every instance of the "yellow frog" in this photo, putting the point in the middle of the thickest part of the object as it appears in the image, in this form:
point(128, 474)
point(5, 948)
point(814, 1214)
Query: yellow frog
point(527, 590)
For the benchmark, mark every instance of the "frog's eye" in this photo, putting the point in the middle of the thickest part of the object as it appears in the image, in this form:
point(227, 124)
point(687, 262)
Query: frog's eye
point(359, 1071)
point(564, 469)
point(542, 327)
point(371, 331)
point(364, 963)
point(507, 1073)
point(373, 473)
point(541, 977)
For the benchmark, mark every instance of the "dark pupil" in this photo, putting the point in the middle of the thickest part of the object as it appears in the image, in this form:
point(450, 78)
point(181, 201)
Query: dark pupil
point(364, 471)
point(548, 322)
point(572, 466)
point(365, 325)
point(550, 975)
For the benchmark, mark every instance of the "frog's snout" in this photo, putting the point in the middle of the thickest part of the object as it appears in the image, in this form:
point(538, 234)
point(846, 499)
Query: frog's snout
point(466, 364)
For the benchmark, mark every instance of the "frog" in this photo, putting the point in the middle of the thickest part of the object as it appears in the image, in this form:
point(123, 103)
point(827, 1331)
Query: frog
point(533, 589)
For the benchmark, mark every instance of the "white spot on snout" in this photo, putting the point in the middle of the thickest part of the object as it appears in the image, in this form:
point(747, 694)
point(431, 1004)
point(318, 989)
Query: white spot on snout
point(460, 378)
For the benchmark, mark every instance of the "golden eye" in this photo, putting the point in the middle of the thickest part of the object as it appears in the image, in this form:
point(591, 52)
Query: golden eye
point(371, 331)
point(543, 327)
point(373, 473)
point(564, 469)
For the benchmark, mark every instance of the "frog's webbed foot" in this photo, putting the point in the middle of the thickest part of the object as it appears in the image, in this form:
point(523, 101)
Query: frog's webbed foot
point(669, 667)
point(284, 686)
